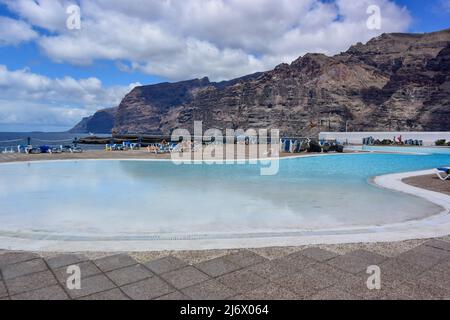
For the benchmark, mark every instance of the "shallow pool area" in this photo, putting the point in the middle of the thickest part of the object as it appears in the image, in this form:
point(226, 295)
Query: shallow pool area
point(154, 200)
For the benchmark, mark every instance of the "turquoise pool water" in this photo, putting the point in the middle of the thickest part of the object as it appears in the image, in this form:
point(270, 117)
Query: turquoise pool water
point(146, 198)
point(404, 149)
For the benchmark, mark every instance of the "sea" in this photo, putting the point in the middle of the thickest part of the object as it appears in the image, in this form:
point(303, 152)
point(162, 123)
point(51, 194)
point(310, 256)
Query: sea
point(54, 139)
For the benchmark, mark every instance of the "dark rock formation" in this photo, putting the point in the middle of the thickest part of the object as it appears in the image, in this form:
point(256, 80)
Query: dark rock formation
point(394, 82)
point(101, 122)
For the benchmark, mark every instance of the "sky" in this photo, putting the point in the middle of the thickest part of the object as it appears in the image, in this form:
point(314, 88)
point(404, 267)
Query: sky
point(54, 70)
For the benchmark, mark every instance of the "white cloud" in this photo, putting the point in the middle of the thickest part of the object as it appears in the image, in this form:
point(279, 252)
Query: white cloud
point(26, 97)
point(193, 38)
point(13, 32)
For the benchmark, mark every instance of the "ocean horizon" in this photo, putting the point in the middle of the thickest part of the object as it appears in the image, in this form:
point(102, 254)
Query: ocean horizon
point(13, 139)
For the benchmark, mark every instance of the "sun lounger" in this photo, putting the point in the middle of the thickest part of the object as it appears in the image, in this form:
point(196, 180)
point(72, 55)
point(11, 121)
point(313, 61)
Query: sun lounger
point(443, 173)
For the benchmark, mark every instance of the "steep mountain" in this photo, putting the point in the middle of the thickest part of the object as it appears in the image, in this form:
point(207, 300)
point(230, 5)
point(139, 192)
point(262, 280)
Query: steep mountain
point(393, 82)
point(101, 122)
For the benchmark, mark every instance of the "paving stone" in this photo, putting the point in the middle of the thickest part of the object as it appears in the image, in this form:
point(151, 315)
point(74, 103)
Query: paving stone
point(129, 275)
point(30, 282)
point(3, 291)
point(436, 277)
point(242, 281)
point(301, 284)
point(438, 244)
point(357, 285)
point(50, 293)
point(245, 258)
point(115, 262)
point(87, 269)
point(185, 277)
point(270, 291)
point(325, 274)
point(333, 293)
point(352, 263)
point(91, 285)
point(208, 290)
point(397, 269)
point(297, 261)
point(114, 294)
point(177, 295)
point(64, 260)
point(274, 269)
point(23, 268)
point(422, 291)
point(443, 266)
point(395, 297)
point(421, 259)
point(217, 267)
point(16, 257)
point(166, 264)
point(147, 289)
point(318, 254)
point(372, 258)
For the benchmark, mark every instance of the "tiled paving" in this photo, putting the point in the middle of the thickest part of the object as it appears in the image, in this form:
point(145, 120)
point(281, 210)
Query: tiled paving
point(421, 272)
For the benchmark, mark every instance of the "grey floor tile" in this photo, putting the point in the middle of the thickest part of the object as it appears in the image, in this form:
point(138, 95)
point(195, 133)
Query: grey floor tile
point(325, 274)
point(350, 263)
point(217, 267)
point(422, 291)
point(371, 258)
point(297, 260)
point(397, 269)
point(333, 293)
point(301, 284)
point(242, 281)
point(64, 260)
point(87, 269)
point(185, 277)
point(270, 291)
point(273, 269)
point(54, 292)
point(435, 278)
point(91, 285)
point(147, 289)
point(356, 285)
point(318, 254)
point(208, 290)
point(113, 294)
point(23, 268)
point(114, 262)
point(419, 258)
point(30, 282)
point(3, 291)
point(438, 244)
point(244, 258)
point(166, 264)
point(177, 295)
point(12, 257)
point(129, 275)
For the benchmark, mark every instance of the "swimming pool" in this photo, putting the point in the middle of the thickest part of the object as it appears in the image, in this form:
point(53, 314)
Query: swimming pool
point(402, 149)
point(157, 200)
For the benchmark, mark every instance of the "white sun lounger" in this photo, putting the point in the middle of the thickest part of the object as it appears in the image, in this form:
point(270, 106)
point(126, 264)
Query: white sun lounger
point(443, 173)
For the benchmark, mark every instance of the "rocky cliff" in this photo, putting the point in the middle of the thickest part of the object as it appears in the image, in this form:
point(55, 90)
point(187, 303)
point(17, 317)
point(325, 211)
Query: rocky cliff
point(394, 82)
point(101, 122)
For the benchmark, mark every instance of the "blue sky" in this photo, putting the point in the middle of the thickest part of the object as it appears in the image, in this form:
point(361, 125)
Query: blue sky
point(51, 76)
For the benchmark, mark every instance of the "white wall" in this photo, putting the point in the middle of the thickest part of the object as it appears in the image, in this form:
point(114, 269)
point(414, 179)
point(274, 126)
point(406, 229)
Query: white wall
point(356, 137)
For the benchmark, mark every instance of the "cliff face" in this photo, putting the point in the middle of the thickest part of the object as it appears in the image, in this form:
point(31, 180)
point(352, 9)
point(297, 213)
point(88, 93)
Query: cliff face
point(394, 82)
point(101, 122)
